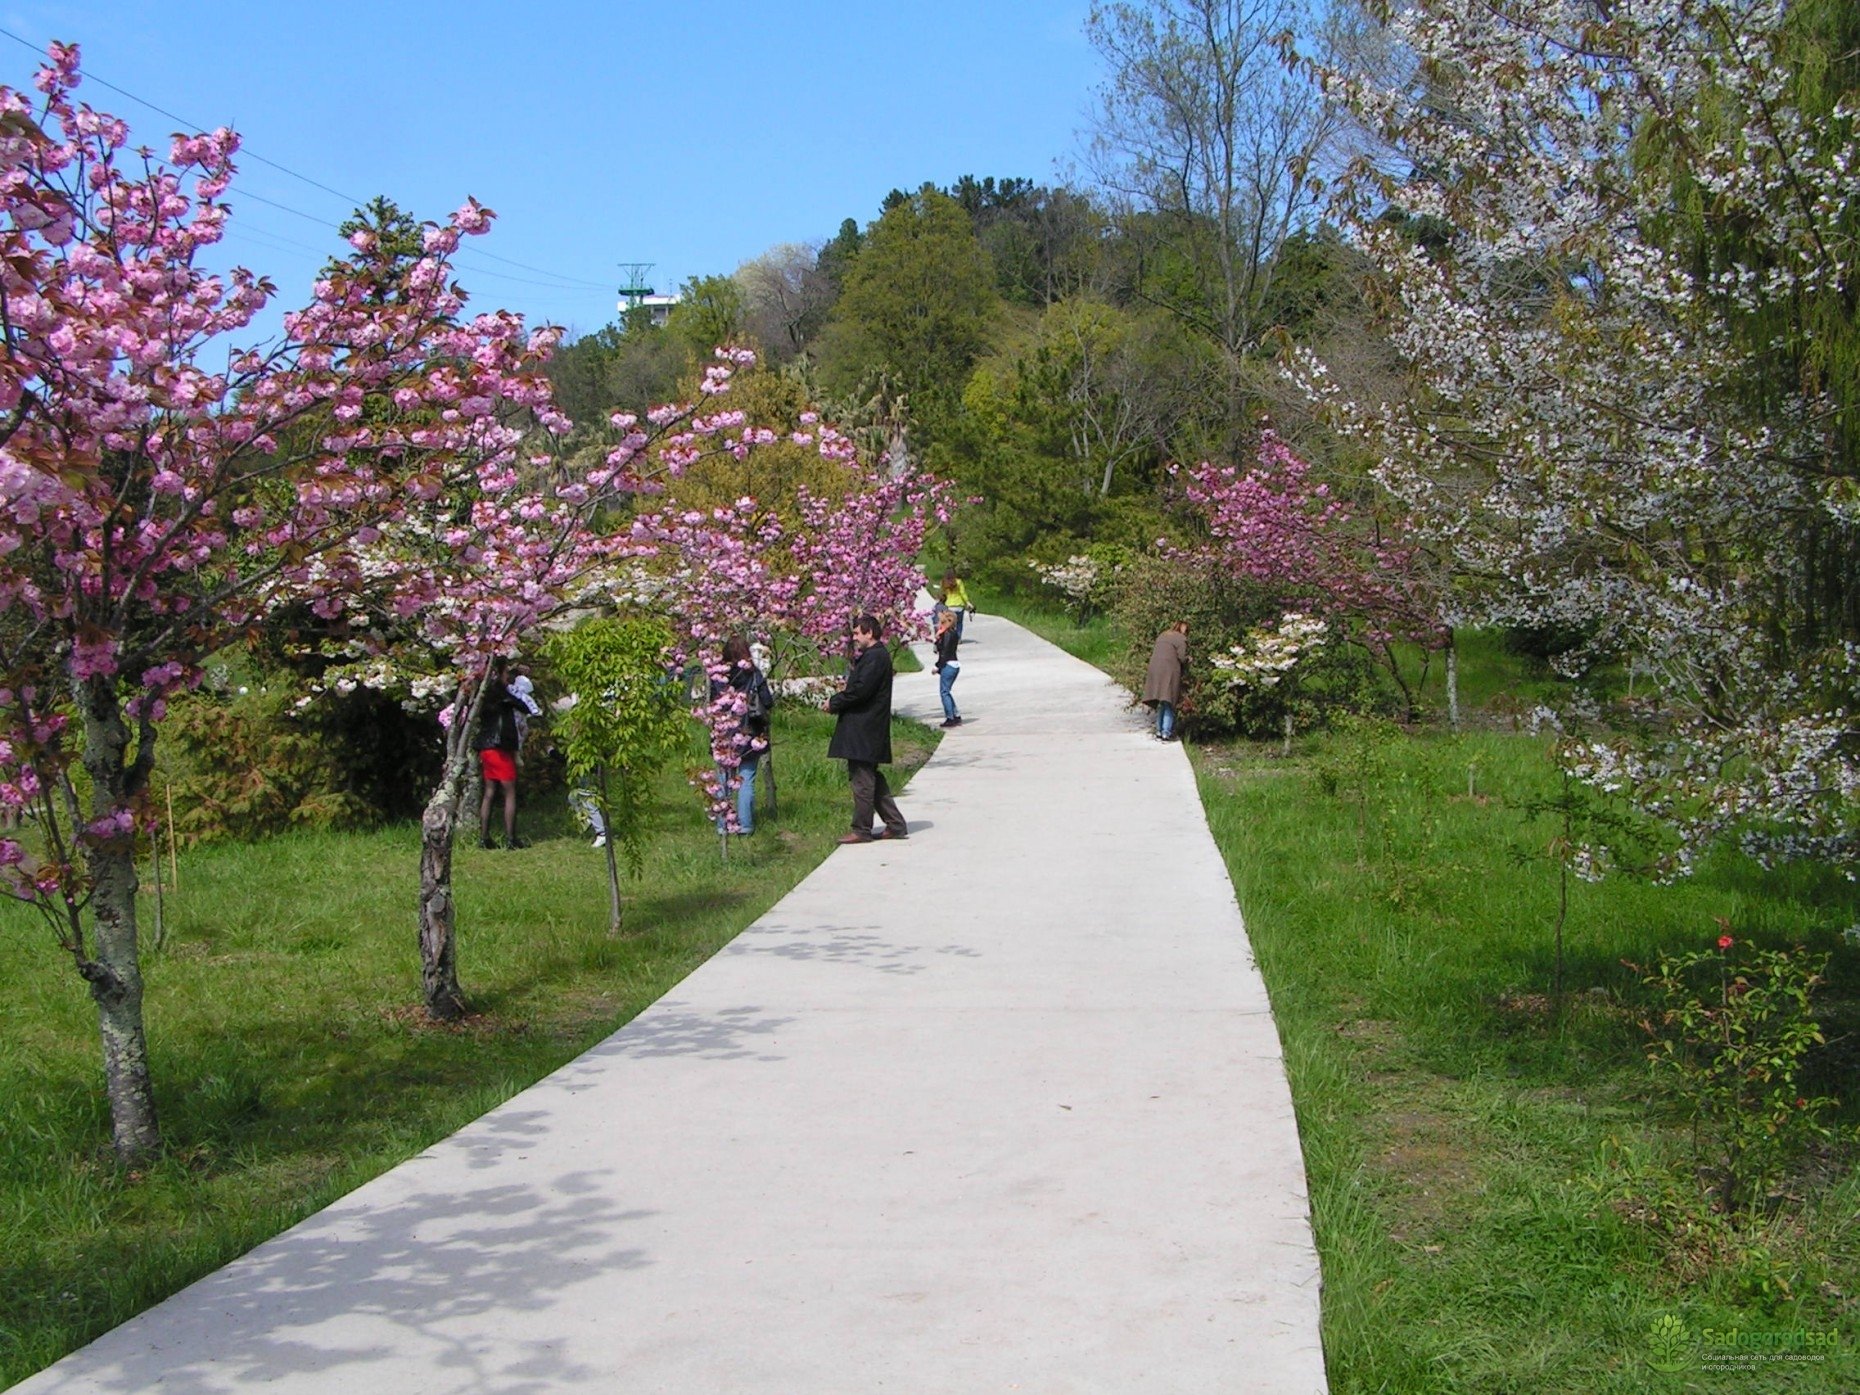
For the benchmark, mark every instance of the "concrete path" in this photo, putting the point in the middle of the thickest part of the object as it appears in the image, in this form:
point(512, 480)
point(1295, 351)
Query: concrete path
point(997, 1109)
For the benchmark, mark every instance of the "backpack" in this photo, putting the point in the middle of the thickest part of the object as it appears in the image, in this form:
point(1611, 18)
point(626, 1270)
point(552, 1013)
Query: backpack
point(756, 715)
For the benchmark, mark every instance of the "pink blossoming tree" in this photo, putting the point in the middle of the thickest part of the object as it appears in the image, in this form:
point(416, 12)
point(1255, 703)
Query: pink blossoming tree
point(160, 492)
point(511, 542)
point(1273, 525)
point(743, 568)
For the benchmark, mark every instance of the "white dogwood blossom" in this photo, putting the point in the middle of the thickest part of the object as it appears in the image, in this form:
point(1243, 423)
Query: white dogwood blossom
point(1268, 655)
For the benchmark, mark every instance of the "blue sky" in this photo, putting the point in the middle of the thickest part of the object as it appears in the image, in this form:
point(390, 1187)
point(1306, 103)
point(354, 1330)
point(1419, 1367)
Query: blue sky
point(693, 137)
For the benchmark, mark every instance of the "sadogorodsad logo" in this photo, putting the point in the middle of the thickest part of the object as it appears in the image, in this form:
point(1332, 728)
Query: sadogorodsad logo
point(1669, 1344)
point(1672, 1346)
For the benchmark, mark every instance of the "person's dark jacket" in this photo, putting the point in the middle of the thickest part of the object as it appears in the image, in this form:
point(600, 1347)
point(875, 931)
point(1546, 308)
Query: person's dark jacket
point(863, 732)
point(946, 648)
point(497, 721)
point(754, 685)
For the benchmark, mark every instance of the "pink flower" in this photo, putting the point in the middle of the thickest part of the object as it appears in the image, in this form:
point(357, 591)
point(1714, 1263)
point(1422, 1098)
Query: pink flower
point(1725, 942)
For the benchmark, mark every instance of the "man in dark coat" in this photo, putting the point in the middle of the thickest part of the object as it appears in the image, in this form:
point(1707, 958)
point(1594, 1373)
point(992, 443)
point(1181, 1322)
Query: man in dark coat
point(862, 736)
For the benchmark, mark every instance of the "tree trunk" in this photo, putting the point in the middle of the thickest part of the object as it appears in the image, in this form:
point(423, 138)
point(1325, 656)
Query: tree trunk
point(613, 865)
point(1453, 683)
point(439, 979)
point(114, 971)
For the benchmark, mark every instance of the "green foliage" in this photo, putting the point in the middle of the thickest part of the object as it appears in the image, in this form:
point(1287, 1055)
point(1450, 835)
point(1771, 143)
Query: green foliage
point(917, 305)
point(627, 721)
point(709, 312)
point(248, 764)
point(630, 366)
point(1043, 243)
point(836, 258)
point(1221, 609)
point(1730, 1033)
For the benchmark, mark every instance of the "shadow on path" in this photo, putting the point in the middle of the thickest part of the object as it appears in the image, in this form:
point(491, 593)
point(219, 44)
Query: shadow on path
point(435, 1278)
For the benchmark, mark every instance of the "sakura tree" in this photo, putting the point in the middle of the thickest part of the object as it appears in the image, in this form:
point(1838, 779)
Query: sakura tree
point(718, 572)
point(1617, 245)
point(746, 568)
point(857, 553)
point(1276, 526)
point(162, 489)
point(504, 545)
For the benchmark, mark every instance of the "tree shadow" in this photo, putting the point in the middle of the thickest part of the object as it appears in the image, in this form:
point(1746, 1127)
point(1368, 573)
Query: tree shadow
point(681, 905)
point(673, 1028)
point(838, 944)
point(415, 1289)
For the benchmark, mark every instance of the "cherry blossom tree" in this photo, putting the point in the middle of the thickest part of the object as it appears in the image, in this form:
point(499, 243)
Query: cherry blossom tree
point(744, 568)
point(1274, 525)
point(716, 573)
point(509, 543)
point(857, 553)
point(1598, 431)
point(160, 491)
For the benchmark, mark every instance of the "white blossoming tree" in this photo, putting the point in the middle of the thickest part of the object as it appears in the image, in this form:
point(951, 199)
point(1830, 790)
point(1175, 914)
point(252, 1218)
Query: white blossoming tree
point(1267, 660)
point(1610, 239)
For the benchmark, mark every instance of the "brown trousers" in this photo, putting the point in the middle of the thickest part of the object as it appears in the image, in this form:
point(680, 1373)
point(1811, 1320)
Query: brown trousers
point(872, 795)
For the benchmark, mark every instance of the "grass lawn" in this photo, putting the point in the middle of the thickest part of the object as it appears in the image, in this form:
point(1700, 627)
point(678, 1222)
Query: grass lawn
point(290, 1059)
point(1502, 1193)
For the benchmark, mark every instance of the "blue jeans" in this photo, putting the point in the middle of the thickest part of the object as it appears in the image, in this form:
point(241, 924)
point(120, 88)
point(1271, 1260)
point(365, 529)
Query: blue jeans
point(1165, 719)
point(945, 681)
point(581, 800)
point(745, 795)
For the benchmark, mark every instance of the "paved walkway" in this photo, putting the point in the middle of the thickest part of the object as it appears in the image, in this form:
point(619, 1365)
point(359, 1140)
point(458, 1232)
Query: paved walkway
point(1000, 1108)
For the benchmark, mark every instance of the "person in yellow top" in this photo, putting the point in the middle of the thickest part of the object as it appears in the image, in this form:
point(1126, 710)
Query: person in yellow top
point(955, 597)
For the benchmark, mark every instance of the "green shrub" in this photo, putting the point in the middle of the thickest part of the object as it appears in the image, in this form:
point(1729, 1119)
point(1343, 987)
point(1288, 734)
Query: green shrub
point(1730, 1032)
point(248, 761)
point(1221, 609)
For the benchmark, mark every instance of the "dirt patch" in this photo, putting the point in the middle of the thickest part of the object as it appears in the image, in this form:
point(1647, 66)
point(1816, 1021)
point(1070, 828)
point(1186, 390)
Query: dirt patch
point(414, 1018)
point(1431, 1170)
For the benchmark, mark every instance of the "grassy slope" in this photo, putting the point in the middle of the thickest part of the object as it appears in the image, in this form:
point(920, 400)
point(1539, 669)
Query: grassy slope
point(1485, 1168)
point(290, 1063)
point(1474, 1153)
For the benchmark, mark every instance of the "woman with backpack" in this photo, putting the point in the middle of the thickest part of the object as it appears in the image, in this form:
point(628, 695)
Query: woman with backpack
point(751, 737)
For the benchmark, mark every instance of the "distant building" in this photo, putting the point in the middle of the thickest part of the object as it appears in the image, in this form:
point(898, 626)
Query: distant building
point(658, 306)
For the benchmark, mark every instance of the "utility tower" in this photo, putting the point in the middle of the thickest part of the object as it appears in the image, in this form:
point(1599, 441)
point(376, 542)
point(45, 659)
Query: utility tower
point(633, 285)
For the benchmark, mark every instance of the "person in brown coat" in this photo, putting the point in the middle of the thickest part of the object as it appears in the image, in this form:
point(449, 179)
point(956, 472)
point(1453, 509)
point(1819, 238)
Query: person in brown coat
point(1162, 685)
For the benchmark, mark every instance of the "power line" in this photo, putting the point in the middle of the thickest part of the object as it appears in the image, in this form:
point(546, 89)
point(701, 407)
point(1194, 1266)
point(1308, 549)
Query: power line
point(191, 125)
point(562, 282)
point(478, 271)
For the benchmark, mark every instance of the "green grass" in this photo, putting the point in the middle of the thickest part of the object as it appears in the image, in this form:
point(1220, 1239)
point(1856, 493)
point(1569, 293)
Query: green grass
point(290, 1060)
point(1493, 1179)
